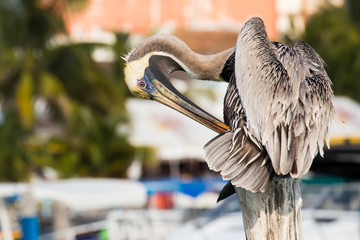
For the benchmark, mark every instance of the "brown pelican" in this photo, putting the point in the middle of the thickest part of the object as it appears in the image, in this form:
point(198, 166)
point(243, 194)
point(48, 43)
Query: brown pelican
point(278, 104)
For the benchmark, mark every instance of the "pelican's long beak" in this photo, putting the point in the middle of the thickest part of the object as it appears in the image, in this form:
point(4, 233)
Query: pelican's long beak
point(158, 75)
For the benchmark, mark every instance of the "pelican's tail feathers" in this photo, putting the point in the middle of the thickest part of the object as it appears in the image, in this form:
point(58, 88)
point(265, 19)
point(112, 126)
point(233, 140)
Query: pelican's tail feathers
point(226, 191)
point(240, 160)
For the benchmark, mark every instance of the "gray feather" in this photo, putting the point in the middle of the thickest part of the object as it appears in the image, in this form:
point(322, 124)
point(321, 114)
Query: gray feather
point(240, 158)
point(288, 102)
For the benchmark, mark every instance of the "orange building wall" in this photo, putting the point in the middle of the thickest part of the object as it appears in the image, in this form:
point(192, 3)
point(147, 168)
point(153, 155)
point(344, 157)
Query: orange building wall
point(142, 16)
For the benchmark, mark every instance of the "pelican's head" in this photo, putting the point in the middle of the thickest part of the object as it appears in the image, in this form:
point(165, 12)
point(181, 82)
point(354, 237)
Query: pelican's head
point(148, 77)
point(135, 77)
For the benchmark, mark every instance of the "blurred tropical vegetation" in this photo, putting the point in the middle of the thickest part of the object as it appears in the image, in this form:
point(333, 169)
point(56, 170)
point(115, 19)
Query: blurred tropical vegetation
point(61, 109)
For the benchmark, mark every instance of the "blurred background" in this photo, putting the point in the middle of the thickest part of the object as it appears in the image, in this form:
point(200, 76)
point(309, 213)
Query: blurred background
point(80, 158)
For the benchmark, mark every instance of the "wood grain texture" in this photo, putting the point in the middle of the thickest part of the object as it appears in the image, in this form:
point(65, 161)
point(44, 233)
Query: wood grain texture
point(274, 214)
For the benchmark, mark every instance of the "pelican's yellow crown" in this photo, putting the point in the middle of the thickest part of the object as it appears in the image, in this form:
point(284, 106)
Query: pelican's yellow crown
point(134, 71)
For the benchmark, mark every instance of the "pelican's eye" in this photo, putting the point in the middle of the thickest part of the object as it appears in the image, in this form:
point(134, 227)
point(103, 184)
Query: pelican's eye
point(142, 84)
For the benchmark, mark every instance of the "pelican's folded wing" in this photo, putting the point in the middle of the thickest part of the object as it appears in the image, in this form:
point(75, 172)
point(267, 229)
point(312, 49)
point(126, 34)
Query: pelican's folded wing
point(286, 96)
point(240, 160)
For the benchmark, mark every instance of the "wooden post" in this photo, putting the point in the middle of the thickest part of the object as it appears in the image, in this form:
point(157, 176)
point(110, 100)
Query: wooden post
point(274, 214)
point(61, 220)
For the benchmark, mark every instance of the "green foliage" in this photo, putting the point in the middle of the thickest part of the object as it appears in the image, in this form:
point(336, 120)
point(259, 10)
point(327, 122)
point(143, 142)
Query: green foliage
point(120, 49)
point(94, 149)
point(13, 161)
point(75, 132)
point(32, 24)
point(86, 84)
point(353, 6)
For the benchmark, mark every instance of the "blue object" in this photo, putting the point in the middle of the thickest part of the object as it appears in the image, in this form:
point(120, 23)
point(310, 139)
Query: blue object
point(12, 199)
point(192, 187)
point(30, 228)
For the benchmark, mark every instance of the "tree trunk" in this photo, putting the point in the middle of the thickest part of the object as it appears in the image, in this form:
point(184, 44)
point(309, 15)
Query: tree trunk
point(274, 214)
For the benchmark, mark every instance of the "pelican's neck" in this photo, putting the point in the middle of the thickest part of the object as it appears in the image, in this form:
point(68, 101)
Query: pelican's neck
point(197, 65)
